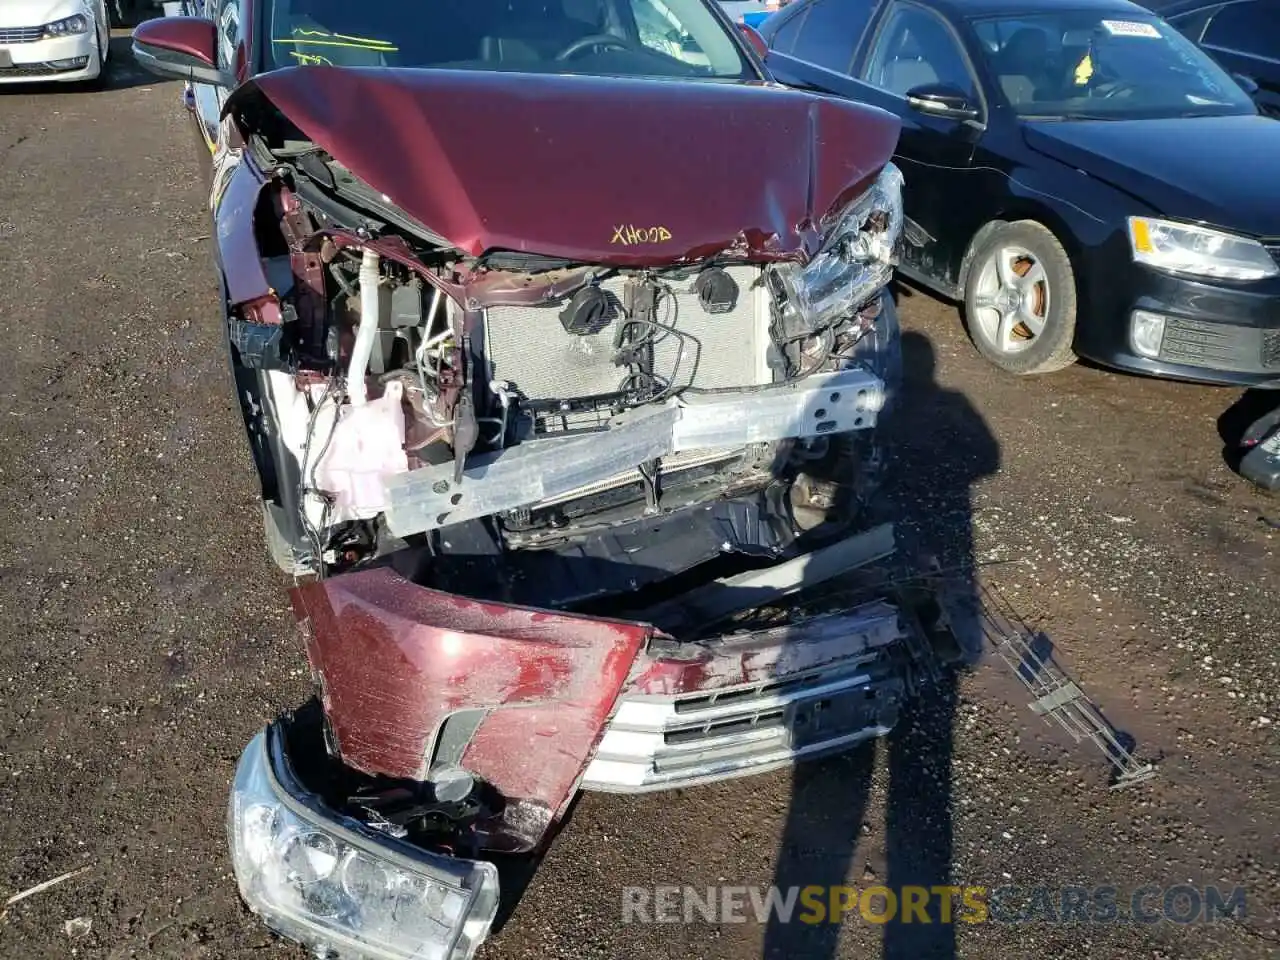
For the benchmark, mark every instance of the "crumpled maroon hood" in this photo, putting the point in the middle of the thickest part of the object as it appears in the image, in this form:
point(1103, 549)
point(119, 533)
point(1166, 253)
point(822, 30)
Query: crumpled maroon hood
point(635, 172)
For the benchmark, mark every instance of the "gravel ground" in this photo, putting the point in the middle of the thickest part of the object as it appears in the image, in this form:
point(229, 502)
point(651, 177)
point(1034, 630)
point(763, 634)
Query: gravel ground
point(148, 637)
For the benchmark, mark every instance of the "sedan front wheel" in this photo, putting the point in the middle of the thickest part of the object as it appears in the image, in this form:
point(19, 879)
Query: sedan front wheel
point(1020, 299)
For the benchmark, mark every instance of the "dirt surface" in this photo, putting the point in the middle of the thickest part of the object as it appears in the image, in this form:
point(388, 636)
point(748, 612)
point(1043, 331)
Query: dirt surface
point(146, 636)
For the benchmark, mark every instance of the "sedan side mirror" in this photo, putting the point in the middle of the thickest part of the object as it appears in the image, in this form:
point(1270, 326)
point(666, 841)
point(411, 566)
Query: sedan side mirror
point(1247, 83)
point(754, 39)
point(180, 47)
point(942, 100)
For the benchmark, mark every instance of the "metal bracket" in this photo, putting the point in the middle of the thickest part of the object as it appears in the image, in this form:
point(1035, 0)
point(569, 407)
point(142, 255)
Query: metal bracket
point(1057, 696)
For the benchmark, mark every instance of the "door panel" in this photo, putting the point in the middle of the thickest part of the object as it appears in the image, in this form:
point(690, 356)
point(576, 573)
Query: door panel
point(911, 47)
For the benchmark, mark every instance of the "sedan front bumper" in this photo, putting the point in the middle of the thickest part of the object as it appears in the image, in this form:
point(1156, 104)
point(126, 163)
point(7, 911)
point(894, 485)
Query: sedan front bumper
point(420, 688)
point(1209, 331)
point(753, 702)
point(539, 703)
point(59, 59)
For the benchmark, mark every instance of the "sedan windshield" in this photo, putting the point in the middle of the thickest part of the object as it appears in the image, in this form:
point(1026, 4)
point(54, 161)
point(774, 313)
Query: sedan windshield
point(659, 38)
point(1080, 64)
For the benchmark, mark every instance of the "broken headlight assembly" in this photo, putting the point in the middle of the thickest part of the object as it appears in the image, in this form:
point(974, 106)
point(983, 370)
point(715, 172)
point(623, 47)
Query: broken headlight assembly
point(340, 887)
point(857, 258)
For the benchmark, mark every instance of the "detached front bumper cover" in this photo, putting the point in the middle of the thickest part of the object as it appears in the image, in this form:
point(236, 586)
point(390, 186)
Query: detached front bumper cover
point(339, 887)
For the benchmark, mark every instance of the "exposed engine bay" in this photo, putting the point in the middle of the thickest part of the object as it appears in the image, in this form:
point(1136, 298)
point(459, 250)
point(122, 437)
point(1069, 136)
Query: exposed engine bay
point(563, 416)
point(550, 480)
point(479, 406)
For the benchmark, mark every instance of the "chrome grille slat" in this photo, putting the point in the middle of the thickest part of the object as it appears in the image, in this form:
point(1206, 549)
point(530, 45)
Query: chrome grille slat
point(674, 740)
point(21, 34)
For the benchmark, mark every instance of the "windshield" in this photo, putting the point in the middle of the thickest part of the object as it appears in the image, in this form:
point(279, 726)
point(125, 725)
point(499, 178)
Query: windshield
point(1082, 64)
point(657, 38)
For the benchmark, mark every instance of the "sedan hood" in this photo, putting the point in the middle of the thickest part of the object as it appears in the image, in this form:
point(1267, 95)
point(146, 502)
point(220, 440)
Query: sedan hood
point(1216, 170)
point(36, 13)
point(634, 172)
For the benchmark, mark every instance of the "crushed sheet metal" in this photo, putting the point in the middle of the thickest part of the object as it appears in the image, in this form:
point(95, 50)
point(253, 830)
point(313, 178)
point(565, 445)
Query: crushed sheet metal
point(394, 661)
point(767, 655)
point(722, 598)
point(531, 473)
point(752, 702)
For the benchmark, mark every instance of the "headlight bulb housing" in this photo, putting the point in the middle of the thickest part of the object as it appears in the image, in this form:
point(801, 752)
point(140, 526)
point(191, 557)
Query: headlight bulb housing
point(857, 258)
point(67, 26)
point(339, 887)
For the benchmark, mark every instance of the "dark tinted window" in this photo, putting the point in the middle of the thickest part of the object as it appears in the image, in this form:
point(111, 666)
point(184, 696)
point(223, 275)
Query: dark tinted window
point(1087, 64)
point(784, 36)
point(1252, 28)
point(1192, 23)
point(831, 31)
point(916, 48)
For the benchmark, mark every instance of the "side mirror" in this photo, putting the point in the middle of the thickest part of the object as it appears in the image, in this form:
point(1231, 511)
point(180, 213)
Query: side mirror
point(942, 100)
point(181, 47)
point(1247, 83)
point(753, 37)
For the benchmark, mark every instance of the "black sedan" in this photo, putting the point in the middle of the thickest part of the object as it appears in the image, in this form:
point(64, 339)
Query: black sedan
point(1242, 35)
point(1078, 173)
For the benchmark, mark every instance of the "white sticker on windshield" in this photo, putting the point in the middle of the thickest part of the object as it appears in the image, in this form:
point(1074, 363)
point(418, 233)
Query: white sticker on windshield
point(1130, 28)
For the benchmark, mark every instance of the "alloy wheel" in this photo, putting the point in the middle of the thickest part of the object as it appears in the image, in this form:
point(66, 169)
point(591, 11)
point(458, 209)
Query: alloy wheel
point(1012, 300)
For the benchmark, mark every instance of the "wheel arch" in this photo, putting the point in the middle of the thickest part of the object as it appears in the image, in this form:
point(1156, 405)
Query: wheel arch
point(1012, 213)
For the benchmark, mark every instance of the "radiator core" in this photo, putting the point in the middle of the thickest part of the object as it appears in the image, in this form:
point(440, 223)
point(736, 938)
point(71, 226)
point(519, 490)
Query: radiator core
point(528, 346)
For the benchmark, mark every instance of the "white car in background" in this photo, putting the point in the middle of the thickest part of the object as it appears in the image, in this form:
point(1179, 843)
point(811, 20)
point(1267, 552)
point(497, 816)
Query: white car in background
point(53, 40)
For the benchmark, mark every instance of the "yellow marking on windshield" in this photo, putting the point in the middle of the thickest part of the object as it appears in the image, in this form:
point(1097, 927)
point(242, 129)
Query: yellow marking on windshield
point(311, 58)
point(377, 47)
point(304, 32)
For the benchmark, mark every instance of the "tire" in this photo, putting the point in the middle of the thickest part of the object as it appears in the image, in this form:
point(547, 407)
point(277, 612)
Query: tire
point(100, 81)
point(1020, 299)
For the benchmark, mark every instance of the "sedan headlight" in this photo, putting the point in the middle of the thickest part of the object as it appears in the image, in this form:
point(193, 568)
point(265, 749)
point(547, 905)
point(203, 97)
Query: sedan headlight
point(67, 26)
point(1200, 251)
point(339, 887)
point(856, 259)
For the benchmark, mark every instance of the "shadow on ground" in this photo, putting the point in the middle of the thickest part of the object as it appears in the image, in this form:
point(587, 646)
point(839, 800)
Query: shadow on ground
point(1236, 420)
point(942, 447)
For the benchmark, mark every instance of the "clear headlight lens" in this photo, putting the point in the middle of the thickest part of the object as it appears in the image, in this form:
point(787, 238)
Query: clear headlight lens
point(857, 257)
point(67, 26)
point(1184, 248)
point(340, 888)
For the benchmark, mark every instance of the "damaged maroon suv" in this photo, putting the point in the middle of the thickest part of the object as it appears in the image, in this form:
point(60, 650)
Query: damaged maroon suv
point(561, 336)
